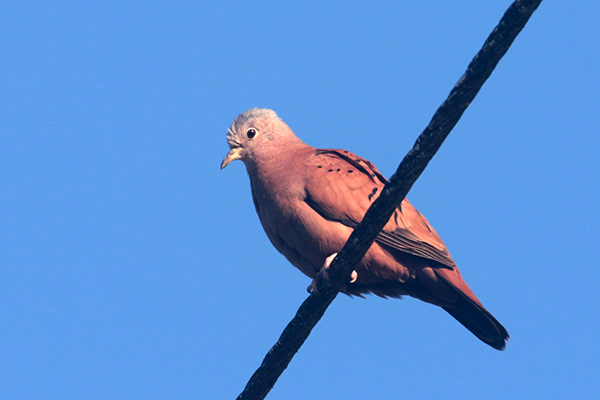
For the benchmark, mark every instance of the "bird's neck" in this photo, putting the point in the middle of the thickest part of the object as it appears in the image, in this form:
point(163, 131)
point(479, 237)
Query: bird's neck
point(279, 167)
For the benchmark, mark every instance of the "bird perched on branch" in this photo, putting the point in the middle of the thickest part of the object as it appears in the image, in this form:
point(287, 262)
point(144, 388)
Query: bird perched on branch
point(309, 200)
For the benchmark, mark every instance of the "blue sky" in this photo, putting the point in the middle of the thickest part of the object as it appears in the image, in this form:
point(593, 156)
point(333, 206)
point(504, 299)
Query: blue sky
point(131, 267)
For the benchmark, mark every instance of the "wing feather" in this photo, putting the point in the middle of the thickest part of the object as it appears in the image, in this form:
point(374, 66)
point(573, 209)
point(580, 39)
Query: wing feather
point(341, 187)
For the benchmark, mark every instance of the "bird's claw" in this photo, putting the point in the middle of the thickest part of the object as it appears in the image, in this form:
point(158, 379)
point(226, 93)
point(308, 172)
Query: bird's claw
point(324, 274)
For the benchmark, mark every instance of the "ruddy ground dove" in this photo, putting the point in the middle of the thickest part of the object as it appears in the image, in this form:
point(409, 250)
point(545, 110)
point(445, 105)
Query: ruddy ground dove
point(309, 200)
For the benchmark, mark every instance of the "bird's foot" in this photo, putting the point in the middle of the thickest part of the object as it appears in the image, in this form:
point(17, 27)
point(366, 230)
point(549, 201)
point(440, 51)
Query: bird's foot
point(324, 274)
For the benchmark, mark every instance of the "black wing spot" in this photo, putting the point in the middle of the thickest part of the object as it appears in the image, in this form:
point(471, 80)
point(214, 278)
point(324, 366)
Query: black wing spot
point(350, 171)
point(319, 166)
point(357, 163)
point(338, 170)
point(330, 170)
point(372, 193)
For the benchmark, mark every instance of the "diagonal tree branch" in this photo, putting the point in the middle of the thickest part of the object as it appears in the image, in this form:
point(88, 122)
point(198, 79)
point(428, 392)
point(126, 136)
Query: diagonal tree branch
point(411, 167)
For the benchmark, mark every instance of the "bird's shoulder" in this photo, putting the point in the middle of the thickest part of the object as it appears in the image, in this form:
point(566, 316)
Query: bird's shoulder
point(341, 185)
point(342, 170)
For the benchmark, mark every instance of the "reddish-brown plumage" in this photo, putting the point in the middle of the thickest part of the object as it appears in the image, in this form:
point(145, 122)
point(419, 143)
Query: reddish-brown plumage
point(308, 201)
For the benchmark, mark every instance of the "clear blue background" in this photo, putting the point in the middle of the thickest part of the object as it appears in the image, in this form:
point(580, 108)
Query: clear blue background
point(131, 267)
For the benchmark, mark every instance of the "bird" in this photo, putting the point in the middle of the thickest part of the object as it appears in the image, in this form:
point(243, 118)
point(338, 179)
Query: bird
point(309, 200)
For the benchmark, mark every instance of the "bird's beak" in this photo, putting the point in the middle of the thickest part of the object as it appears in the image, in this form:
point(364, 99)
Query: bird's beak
point(234, 154)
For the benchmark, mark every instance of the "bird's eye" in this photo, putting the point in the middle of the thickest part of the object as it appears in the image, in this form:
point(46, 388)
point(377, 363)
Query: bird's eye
point(251, 133)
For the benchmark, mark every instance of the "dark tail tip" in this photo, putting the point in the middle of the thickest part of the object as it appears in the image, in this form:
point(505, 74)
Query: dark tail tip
point(480, 322)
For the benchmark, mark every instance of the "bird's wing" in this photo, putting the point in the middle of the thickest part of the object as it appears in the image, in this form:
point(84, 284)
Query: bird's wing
point(340, 186)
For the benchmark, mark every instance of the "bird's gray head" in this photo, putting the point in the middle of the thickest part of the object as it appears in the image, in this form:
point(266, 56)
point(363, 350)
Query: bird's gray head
point(255, 130)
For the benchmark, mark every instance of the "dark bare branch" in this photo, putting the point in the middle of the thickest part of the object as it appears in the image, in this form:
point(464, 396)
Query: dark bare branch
point(411, 167)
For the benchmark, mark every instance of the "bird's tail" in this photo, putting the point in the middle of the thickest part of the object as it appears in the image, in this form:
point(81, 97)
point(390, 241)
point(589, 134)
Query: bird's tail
point(473, 316)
